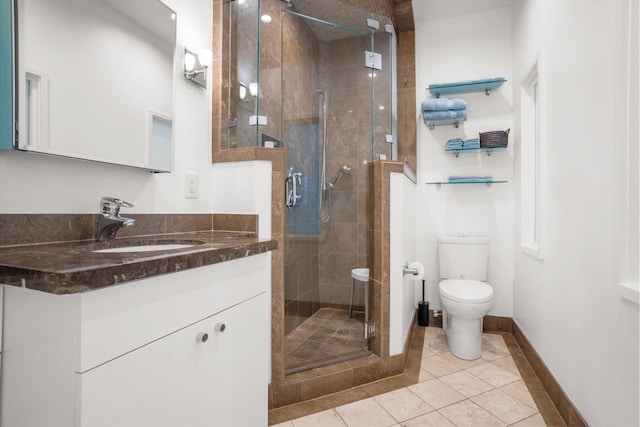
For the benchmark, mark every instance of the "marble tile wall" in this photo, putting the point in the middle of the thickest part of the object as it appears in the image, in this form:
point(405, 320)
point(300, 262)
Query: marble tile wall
point(24, 229)
point(349, 135)
point(407, 130)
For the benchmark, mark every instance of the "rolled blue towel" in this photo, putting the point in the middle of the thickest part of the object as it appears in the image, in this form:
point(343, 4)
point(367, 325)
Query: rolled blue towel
point(458, 104)
point(459, 114)
point(435, 104)
point(443, 104)
point(444, 115)
point(437, 115)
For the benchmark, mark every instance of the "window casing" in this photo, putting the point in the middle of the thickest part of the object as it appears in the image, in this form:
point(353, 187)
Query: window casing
point(531, 218)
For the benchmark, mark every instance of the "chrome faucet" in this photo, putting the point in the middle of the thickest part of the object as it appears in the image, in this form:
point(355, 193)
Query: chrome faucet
point(110, 221)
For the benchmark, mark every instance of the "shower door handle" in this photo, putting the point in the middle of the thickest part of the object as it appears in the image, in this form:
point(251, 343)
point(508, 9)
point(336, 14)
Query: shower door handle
point(291, 191)
point(291, 183)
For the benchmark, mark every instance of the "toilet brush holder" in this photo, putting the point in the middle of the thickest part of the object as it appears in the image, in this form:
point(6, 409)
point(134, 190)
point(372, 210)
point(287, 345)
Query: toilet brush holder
point(423, 310)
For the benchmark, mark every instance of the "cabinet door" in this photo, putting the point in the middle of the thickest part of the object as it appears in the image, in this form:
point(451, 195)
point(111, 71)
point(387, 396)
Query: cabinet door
point(241, 367)
point(179, 380)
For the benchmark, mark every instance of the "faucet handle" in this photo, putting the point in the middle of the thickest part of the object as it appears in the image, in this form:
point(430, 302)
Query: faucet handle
point(112, 205)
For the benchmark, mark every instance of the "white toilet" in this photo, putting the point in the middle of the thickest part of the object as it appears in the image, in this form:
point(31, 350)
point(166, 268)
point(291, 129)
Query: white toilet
point(465, 296)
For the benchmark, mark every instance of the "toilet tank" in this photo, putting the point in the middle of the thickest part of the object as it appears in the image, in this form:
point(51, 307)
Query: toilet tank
point(463, 257)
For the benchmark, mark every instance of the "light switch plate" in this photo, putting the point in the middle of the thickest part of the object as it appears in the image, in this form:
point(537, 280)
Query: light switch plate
point(191, 185)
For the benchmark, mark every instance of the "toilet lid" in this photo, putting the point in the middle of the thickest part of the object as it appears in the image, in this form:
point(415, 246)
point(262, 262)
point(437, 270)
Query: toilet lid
point(469, 291)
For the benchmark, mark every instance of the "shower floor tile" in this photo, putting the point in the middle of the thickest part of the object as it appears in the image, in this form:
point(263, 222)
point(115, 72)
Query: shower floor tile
point(328, 335)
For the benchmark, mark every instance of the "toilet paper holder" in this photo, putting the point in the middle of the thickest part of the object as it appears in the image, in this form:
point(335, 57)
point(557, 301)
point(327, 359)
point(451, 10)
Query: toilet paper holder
point(409, 270)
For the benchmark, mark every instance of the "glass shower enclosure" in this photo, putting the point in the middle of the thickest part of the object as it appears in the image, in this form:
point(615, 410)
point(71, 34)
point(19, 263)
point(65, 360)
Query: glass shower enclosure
point(321, 89)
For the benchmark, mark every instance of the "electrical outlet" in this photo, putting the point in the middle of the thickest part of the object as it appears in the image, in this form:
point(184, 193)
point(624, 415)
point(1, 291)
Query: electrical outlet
point(191, 185)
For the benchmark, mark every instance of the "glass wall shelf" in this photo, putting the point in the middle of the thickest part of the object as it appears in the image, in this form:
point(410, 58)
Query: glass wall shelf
point(468, 86)
point(487, 183)
point(431, 124)
point(456, 152)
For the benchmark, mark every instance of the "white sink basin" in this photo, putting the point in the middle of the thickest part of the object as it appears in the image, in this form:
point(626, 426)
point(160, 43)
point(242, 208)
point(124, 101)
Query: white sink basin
point(144, 248)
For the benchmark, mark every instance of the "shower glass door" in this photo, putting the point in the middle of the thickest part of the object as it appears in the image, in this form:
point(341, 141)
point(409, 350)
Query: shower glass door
point(329, 132)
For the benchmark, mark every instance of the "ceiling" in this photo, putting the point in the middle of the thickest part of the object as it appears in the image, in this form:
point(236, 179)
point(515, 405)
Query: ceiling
point(432, 10)
point(403, 13)
point(348, 13)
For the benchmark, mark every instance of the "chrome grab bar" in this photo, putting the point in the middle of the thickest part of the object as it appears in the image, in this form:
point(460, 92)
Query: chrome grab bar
point(291, 183)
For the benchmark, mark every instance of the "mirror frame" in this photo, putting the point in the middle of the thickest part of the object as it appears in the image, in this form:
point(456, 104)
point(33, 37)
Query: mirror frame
point(19, 75)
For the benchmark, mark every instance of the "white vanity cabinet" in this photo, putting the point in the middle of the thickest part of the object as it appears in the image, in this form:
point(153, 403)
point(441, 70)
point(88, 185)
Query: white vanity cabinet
point(193, 381)
point(183, 349)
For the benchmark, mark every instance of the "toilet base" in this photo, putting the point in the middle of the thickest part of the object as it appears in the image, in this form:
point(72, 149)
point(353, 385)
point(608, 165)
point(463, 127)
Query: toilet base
point(464, 336)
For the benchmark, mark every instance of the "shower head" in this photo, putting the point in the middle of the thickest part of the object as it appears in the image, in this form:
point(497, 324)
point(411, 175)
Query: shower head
point(343, 170)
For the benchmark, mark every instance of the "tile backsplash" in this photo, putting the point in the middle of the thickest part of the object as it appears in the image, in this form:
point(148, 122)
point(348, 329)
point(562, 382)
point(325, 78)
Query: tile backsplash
point(23, 229)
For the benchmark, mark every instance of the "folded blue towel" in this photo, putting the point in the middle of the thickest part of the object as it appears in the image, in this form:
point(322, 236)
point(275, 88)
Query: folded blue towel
point(472, 143)
point(444, 115)
point(470, 178)
point(455, 144)
point(443, 104)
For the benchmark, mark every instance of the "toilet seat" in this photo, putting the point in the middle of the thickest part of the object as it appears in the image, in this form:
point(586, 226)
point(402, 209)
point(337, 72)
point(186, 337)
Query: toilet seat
point(466, 291)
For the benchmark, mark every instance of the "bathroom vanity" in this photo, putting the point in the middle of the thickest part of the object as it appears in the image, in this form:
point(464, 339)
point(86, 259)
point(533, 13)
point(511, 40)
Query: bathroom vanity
point(186, 348)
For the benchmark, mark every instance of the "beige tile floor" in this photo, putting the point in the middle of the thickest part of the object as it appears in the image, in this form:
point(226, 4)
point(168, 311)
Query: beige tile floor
point(450, 392)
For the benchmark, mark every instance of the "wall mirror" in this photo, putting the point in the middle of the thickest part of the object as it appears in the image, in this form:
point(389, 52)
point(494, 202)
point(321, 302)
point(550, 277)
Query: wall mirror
point(95, 80)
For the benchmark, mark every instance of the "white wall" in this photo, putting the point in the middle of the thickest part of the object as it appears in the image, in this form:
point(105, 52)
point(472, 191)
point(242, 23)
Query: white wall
point(32, 183)
point(402, 221)
point(244, 187)
point(567, 304)
point(456, 48)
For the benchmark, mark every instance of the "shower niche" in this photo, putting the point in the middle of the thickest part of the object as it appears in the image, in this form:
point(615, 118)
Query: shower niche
point(316, 80)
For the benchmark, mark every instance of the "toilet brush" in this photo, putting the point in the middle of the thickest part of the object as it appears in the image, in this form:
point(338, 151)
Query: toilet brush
point(423, 310)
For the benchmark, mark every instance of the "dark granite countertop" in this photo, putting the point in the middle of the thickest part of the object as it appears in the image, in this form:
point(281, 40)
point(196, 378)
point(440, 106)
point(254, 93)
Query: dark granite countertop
point(72, 267)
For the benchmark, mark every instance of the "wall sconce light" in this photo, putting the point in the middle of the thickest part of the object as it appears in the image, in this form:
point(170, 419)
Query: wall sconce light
point(243, 91)
point(253, 89)
point(195, 66)
point(247, 92)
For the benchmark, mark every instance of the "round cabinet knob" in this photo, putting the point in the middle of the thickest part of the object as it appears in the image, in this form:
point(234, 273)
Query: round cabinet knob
point(220, 327)
point(202, 337)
